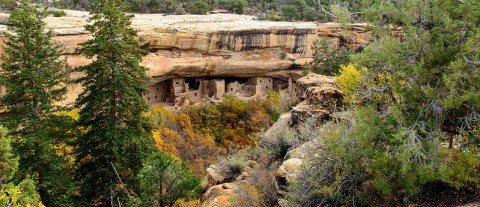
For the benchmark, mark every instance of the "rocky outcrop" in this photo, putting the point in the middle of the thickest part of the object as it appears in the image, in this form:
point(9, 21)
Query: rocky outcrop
point(236, 192)
point(216, 45)
point(289, 170)
point(321, 97)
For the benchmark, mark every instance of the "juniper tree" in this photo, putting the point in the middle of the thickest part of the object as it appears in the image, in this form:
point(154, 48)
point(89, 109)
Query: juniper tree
point(118, 138)
point(33, 78)
point(416, 90)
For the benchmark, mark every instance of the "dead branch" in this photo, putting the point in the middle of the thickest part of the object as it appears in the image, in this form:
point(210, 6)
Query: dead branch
point(470, 61)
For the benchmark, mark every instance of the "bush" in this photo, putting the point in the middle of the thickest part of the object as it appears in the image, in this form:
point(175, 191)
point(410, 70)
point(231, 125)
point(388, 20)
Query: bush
point(349, 80)
point(294, 9)
point(279, 139)
point(231, 166)
point(369, 157)
point(236, 6)
point(163, 180)
point(199, 7)
point(466, 171)
point(289, 13)
point(327, 58)
point(59, 13)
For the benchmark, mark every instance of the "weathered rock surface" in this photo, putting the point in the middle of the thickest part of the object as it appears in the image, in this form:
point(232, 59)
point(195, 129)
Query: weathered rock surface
point(321, 97)
point(216, 45)
point(289, 170)
point(234, 193)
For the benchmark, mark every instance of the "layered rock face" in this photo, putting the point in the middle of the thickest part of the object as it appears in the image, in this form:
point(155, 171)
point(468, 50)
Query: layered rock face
point(320, 98)
point(217, 45)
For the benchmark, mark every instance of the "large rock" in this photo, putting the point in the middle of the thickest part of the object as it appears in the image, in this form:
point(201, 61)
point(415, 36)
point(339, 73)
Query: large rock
point(321, 97)
point(220, 193)
point(289, 170)
point(216, 45)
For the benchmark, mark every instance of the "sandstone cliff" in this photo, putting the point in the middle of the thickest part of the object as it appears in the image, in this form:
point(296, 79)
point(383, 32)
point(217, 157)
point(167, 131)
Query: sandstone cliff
point(217, 45)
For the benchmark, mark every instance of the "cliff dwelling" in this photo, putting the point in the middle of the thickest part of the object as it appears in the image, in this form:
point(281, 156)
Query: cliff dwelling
point(180, 91)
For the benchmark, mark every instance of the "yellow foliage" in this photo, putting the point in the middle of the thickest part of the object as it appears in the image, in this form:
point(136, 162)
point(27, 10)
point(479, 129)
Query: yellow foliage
point(166, 140)
point(11, 195)
point(349, 80)
point(174, 135)
point(190, 203)
point(72, 114)
point(160, 115)
point(184, 120)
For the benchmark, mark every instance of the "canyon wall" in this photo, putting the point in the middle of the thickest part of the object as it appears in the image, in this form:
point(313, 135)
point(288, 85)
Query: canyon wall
point(216, 45)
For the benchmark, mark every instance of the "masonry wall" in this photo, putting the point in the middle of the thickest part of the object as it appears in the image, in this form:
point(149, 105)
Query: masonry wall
point(177, 91)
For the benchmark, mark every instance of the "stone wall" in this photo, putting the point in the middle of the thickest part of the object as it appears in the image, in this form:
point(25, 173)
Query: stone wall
point(178, 91)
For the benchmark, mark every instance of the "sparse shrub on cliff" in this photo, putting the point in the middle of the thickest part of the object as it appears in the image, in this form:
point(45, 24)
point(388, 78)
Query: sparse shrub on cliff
point(279, 140)
point(366, 157)
point(236, 6)
point(232, 166)
point(199, 7)
point(327, 57)
point(262, 189)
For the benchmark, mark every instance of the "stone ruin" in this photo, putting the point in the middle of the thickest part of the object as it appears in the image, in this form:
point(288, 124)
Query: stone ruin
point(181, 91)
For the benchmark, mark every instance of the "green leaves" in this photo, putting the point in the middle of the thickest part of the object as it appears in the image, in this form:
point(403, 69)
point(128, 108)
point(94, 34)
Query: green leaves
point(33, 72)
point(328, 58)
point(34, 79)
point(22, 194)
point(163, 180)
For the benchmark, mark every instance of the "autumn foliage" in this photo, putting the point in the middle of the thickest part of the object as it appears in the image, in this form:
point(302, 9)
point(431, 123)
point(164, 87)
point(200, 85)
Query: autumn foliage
point(199, 134)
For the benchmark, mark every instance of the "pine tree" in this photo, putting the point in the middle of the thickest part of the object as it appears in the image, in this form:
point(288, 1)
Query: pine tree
point(118, 138)
point(23, 194)
point(33, 77)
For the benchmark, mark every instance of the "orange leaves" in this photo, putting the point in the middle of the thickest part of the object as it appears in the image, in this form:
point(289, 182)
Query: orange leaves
point(174, 135)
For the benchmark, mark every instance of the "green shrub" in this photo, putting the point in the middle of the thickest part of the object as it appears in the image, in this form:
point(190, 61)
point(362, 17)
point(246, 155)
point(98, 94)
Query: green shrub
point(294, 9)
point(327, 57)
point(236, 6)
point(290, 13)
point(58, 13)
point(369, 157)
point(231, 166)
point(466, 171)
point(279, 139)
point(199, 7)
point(163, 180)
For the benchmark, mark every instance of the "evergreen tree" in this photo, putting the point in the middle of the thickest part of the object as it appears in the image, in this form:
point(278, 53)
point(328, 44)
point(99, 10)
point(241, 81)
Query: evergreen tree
point(24, 193)
point(33, 77)
point(118, 137)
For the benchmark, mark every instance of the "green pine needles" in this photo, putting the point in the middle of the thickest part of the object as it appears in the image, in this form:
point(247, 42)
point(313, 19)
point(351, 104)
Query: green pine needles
point(118, 137)
point(34, 79)
point(33, 73)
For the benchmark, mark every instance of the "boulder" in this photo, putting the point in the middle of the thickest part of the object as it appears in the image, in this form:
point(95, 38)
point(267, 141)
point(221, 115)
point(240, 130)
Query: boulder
point(289, 170)
point(321, 97)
